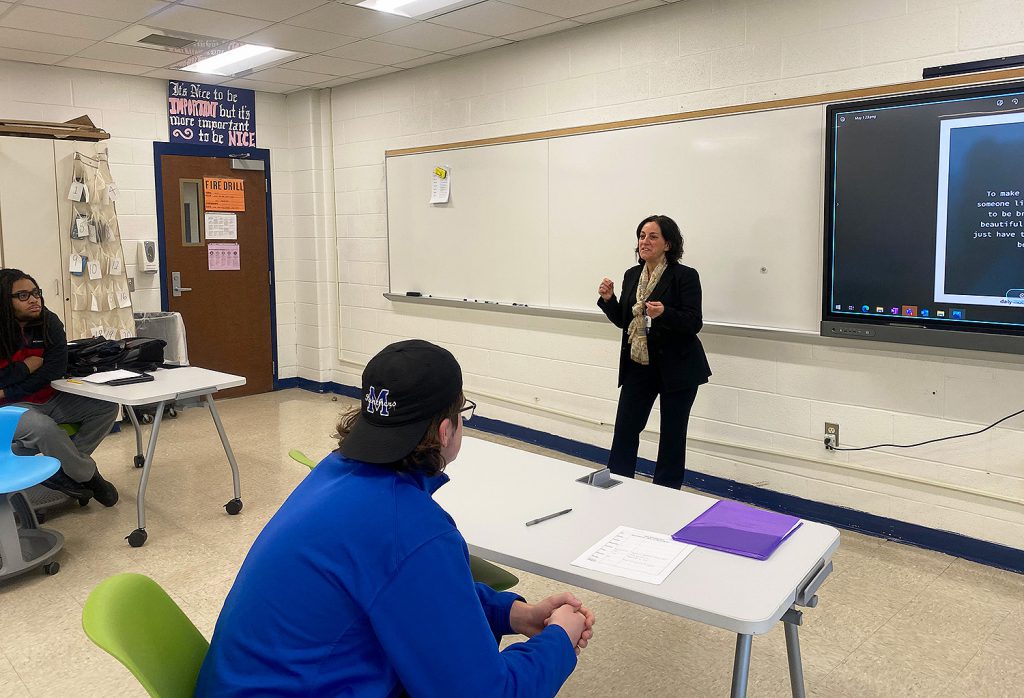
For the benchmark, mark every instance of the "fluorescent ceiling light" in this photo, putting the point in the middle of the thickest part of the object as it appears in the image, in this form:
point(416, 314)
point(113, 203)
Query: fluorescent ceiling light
point(244, 57)
point(408, 8)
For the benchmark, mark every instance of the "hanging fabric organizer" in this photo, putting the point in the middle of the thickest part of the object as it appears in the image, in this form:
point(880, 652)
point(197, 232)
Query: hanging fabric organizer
point(100, 298)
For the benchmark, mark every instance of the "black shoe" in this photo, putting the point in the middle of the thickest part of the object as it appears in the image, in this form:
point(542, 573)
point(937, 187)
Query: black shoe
point(104, 492)
point(60, 482)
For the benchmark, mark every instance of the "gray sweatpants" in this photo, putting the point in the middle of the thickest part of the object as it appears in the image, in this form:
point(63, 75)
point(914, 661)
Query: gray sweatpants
point(38, 432)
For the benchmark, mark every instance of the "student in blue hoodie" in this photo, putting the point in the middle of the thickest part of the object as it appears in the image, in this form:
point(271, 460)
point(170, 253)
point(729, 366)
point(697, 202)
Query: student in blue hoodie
point(360, 584)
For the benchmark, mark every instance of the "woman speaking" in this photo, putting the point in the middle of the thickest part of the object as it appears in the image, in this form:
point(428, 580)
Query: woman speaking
point(660, 316)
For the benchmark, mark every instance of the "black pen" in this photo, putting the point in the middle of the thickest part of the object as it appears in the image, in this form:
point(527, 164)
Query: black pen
point(549, 516)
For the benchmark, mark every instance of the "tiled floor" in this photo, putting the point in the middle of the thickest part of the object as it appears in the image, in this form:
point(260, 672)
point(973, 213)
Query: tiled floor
point(893, 620)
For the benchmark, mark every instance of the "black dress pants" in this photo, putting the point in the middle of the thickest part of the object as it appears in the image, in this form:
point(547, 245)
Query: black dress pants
point(641, 384)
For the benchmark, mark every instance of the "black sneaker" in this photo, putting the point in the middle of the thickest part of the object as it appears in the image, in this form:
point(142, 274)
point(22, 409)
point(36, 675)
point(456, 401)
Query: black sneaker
point(60, 482)
point(104, 492)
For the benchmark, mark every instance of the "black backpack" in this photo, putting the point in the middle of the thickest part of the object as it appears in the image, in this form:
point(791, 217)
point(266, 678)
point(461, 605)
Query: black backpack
point(86, 356)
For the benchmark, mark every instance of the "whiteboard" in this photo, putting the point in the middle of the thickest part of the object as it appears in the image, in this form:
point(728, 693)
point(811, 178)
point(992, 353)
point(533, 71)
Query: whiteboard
point(489, 242)
point(542, 222)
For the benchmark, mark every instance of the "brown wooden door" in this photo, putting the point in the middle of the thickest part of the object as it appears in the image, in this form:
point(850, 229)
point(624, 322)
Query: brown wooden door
point(227, 312)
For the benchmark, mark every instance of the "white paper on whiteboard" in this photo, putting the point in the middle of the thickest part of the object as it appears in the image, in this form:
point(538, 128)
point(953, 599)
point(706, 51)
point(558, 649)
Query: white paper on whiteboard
point(221, 226)
point(440, 185)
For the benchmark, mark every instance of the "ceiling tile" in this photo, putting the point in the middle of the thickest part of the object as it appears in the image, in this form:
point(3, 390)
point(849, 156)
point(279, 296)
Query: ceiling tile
point(328, 65)
point(563, 25)
point(494, 18)
point(426, 60)
point(119, 53)
point(349, 20)
point(333, 83)
point(273, 10)
point(205, 22)
point(474, 48)
point(110, 9)
point(377, 72)
point(44, 43)
point(261, 86)
point(286, 76)
point(16, 54)
point(105, 66)
point(169, 74)
point(619, 10)
point(63, 23)
point(566, 8)
point(370, 51)
point(431, 37)
point(292, 38)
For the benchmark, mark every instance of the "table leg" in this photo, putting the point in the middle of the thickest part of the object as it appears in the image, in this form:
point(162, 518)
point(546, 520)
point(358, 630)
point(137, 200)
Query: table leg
point(137, 538)
point(741, 666)
point(140, 460)
point(235, 505)
point(796, 668)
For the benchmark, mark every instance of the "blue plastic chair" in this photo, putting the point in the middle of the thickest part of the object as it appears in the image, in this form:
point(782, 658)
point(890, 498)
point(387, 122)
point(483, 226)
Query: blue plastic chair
point(27, 547)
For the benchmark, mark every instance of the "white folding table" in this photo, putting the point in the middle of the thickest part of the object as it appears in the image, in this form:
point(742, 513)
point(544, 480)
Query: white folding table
point(169, 385)
point(495, 490)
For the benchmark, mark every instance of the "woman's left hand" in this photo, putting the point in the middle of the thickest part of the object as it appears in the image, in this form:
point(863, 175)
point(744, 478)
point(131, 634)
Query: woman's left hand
point(655, 309)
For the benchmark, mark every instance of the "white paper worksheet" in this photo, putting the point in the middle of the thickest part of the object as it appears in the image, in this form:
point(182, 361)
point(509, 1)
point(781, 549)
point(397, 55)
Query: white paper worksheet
point(107, 376)
point(630, 552)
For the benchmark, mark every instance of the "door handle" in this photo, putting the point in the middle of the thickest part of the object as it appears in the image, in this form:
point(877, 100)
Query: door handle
point(176, 287)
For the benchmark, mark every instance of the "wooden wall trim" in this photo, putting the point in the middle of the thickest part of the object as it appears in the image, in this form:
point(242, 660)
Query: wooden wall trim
point(989, 77)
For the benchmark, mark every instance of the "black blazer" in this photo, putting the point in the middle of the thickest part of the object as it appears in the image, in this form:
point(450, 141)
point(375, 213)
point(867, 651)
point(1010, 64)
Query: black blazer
point(672, 341)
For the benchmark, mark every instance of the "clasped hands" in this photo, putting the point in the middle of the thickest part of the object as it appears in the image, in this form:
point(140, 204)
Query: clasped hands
point(563, 610)
point(606, 289)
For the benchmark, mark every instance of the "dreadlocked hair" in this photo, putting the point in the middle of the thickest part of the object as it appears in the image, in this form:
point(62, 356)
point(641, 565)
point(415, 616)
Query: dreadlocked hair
point(10, 329)
point(426, 458)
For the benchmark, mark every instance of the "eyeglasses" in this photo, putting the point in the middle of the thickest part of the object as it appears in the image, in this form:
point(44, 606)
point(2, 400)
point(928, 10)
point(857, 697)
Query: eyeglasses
point(470, 408)
point(25, 295)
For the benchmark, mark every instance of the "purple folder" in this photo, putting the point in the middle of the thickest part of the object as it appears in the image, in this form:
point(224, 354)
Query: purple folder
point(739, 529)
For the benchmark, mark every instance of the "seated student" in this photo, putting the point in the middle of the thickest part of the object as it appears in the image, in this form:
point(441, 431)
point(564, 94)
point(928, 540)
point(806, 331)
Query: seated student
point(33, 352)
point(360, 583)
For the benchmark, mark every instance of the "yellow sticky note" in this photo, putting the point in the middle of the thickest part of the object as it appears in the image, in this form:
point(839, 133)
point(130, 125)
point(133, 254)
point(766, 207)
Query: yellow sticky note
point(441, 172)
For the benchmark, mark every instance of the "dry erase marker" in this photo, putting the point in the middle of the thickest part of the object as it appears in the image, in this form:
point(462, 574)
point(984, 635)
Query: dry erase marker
point(549, 516)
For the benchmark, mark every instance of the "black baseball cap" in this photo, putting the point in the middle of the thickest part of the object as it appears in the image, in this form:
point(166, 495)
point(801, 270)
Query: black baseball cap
point(405, 386)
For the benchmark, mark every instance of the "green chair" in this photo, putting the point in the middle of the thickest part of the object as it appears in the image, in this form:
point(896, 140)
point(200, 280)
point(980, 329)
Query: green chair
point(135, 621)
point(483, 571)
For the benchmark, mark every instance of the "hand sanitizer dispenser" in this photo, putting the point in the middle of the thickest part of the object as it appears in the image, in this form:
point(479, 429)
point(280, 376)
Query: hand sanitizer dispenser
point(147, 261)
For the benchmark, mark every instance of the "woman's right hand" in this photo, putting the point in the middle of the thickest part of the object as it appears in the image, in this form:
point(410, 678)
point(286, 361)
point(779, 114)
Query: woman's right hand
point(34, 363)
point(571, 621)
point(606, 290)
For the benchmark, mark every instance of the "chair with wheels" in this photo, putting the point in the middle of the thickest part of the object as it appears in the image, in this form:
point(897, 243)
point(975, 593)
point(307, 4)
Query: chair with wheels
point(490, 574)
point(26, 547)
point(133, 619)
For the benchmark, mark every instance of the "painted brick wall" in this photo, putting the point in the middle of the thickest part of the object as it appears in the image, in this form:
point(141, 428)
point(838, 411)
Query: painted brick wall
point(134, 111)
point(761, 418)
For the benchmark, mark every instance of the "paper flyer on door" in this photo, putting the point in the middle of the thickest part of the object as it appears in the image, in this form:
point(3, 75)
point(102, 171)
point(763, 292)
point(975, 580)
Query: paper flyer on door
point(223, 256)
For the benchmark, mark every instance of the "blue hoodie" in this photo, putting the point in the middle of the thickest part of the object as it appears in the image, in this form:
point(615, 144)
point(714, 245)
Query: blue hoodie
point(360, 586)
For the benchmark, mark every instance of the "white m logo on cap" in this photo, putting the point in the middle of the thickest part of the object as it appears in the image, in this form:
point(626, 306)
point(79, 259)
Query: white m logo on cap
point(378, 401)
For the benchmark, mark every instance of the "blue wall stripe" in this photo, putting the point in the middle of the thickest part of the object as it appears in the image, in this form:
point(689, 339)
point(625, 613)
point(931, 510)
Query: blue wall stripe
point(956, 544)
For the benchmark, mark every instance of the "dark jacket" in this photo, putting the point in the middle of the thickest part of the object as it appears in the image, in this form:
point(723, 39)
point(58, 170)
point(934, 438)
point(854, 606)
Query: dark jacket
point(15, 380)
point(672, 341)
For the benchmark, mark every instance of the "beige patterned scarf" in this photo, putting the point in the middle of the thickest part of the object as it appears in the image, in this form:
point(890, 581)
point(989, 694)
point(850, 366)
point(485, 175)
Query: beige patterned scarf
point(637, 331)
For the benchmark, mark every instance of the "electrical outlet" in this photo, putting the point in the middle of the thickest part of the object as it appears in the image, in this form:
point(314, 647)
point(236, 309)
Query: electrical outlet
point(831, 434)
